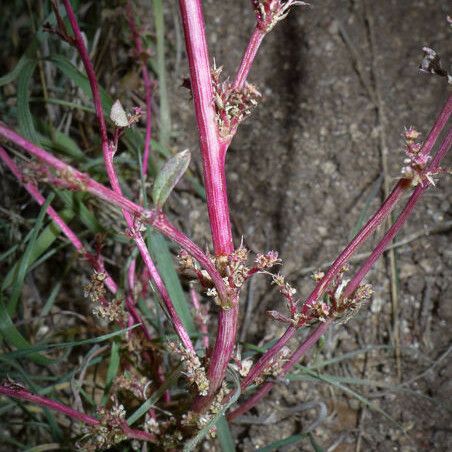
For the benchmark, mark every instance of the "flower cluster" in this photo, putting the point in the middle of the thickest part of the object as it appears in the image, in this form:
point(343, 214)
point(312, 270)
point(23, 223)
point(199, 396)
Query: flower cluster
point(112, 311)
point(132, 382)
point(232, 105)
point(270, 12)
point(415, 162)
point(106, 434)
point(95, 289)
point(194, 371)
point(343, 309)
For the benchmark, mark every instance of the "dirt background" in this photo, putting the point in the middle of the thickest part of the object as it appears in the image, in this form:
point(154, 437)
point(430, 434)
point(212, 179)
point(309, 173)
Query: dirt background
point(340, 81)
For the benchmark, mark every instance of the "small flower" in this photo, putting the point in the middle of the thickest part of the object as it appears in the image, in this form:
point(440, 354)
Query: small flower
point(270, 12)
point(267, 260)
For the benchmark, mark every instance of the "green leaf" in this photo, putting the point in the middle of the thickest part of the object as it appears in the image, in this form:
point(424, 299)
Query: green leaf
point(43, 242)
point(162, 257)
point(12, 335)
point(169, 176)
point(155, 397)
point(112, 370)
point(25, 261)
point(280, 443)
point(24, 117)
point(46, 347)
point(191, 444)
point(225, 436)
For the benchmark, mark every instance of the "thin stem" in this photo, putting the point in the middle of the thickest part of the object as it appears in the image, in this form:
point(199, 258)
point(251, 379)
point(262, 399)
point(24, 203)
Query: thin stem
point(70, 234)
point(358, 277)
point(382, 213)
point(76, 180)
point(310, 341)
point(202, 323)
point(53, 214)
point(147, 86)
point(248, 58)
point(401, 219)
point(114, 181)
point(17, 392)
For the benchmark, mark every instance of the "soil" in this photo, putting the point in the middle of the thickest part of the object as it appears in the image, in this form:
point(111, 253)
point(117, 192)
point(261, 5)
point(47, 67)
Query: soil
point(340, 81)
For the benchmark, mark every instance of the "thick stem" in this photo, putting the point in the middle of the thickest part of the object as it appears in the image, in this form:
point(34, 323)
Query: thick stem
point(212, 150)
point(16, 392)
point(248, 58)
point(213, 153)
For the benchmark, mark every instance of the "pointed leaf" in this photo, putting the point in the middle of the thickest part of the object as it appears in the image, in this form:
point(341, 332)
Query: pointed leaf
point(169, 176)
point(118, 115)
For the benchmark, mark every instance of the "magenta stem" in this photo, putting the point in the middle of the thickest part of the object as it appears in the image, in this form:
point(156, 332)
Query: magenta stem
point(401, 219)
point(16, 392)
point(67, 231)
point(310, 341)
point(213, 152)
point(108, 153)
point(248, 58)
point(363, 270)
point(147, 86)
point(382, 213)
point(158, 220)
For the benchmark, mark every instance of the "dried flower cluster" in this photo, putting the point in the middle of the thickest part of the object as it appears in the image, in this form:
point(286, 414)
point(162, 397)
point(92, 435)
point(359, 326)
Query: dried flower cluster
point(106, 434)
point(193, 370)
point(232, 105)
point(270, 12)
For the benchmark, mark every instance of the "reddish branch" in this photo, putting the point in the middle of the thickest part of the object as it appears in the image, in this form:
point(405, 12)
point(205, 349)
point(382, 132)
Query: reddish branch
point(384, 211)
point(17, 392)
point(213, 152)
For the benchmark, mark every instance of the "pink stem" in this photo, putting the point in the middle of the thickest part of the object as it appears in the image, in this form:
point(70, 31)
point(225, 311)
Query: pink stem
point(16, 392)
point(361, 273)
point(248, 58)
point(213, 153)
point(311, 340)
point(114, 181)
point(382, 213)
point(80, 181)
point(147, 86)
point(401, 219)
point(53, 214)
point(67, 231)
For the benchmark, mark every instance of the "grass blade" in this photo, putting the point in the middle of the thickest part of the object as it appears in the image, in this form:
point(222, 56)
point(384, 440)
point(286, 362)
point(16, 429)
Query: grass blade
point(156, 396)
point(191, 444)
point(225, 436)
point(277, 445)
point(24, 117)
point(14, 338)
point(25, 261)
point(162, 257)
